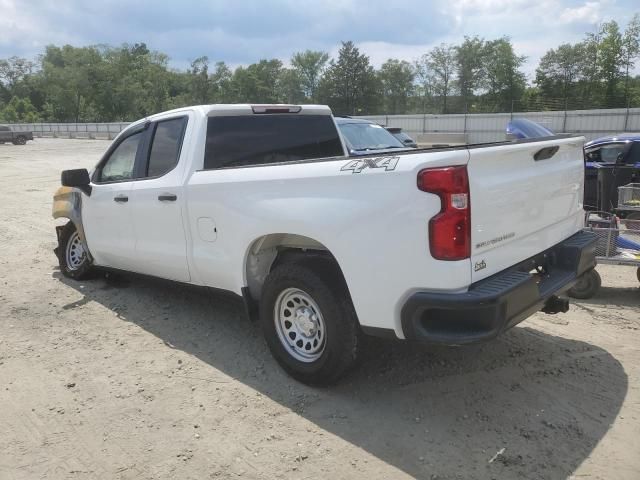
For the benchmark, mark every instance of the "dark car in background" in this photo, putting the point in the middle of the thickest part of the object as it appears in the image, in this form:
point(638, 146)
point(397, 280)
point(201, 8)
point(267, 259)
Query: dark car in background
point(623, 149)
point(610, 162)
point(17, 138)
point(406, 140)
point(363, 137)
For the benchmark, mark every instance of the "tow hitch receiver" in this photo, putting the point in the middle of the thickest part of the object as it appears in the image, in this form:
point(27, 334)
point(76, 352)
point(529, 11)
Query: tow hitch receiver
point(555, 305)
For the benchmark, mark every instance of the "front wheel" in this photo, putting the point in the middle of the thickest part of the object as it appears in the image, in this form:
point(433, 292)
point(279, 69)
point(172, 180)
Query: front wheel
point(20, 140)
point(309, 322)
point(72, 256)
point(587, 285)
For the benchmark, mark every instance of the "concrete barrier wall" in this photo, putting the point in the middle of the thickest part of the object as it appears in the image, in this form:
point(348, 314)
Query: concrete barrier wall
point(107, 131)
point(490, 127)
point(478, 127)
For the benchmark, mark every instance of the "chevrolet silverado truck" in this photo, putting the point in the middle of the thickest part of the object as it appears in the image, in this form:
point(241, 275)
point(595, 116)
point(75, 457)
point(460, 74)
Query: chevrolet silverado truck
point(444, 246)
point(17, 138)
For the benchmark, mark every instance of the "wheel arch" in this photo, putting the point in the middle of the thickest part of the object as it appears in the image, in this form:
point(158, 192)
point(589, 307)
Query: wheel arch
point(267, 251)
point(67, 203)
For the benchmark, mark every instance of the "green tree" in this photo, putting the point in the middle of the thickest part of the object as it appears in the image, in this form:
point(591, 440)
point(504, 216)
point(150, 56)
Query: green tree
point(290, 86)
point(257, 83)
point(425, 83)
point(610, 59)
point(199, 82)
point(504, 81)
point(396, 80)
point(630, 51)
point(469, 58)
point(559, 72)
point(221, 83)
point(71, 75)
point(309, 66)
point(442, 63)
point(19, 110)
point(14, 70)
point(134, 82)
point(349, 85)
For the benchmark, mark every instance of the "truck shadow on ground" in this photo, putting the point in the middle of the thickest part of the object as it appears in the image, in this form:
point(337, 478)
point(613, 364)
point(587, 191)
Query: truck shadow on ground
point(541, 400)
point(619, 296)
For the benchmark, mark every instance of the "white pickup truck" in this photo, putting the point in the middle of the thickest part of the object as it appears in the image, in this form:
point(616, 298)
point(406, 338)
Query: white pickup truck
point(449, 246)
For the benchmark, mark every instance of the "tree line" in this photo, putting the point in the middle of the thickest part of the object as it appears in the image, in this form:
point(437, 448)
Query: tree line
point(104, 83)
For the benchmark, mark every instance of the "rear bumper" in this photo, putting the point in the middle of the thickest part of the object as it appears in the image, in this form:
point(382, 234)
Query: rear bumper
point(501, 301)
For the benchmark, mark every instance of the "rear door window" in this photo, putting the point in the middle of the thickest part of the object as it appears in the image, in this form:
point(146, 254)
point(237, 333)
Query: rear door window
point(237, 141)
point(165, 146)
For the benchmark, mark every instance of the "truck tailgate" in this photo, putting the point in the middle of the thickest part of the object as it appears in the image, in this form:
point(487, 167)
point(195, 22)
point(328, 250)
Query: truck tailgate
point(525, 198)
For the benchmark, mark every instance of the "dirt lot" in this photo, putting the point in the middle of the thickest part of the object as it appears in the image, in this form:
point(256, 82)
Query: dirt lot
point(139, 379)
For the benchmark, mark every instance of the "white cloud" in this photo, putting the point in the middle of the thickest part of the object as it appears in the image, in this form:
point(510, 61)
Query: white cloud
point(590, 12)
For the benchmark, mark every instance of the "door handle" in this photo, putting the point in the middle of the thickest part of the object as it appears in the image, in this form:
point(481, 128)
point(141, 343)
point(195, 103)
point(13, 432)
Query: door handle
point(167, 197)
point(121, 199)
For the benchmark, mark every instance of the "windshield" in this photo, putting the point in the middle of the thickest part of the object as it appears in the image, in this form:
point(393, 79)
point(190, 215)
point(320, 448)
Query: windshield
point(368, 136)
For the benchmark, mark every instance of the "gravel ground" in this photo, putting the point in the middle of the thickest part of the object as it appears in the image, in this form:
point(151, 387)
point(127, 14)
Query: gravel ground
point(125, 378)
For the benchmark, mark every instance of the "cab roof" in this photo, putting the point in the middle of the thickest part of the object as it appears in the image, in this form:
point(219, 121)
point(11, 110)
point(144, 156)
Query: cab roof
point(623, 138)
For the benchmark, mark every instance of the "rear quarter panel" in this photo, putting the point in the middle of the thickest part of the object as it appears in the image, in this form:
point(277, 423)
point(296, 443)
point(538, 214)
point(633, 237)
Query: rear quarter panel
point(374, 222)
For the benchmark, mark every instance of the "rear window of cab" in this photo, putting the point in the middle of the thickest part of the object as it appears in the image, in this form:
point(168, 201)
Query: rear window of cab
point(250, 140)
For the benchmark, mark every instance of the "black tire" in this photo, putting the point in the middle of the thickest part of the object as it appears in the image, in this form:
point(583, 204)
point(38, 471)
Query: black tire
point(319, 280)
point(638, 274)
point(79, 270)
point(587, 285)
point(21, 140)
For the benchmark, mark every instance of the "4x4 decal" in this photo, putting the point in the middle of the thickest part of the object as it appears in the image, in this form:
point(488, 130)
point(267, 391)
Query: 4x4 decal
point(356, 166)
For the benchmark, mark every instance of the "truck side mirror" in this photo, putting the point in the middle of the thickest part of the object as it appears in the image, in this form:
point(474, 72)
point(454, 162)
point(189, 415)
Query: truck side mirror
point(78, 178)
point(620, 158)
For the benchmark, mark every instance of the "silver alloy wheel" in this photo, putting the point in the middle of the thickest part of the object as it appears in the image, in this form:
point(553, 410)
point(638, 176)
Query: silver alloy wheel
point(75, 254)
point(300, 326)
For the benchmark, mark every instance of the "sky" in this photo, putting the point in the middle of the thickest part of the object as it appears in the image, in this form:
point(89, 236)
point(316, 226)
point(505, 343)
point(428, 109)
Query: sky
point(241, 32)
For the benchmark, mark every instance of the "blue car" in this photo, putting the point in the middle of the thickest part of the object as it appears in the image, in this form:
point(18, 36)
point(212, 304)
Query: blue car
point(523, 128)
point(364, 137)
point(610, 162)
point(623, 149)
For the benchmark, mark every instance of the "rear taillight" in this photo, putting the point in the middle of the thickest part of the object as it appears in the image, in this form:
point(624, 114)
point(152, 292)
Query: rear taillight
point(449, 230)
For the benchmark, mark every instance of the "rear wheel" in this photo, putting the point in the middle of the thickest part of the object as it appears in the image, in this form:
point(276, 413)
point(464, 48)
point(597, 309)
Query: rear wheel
point(72, 256)
point(21, 140)
point(587, 285)
point(309, 322)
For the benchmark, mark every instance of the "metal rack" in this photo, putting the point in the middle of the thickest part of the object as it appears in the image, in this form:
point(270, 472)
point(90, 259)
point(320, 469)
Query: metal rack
point(629, 197)
point(618, 243)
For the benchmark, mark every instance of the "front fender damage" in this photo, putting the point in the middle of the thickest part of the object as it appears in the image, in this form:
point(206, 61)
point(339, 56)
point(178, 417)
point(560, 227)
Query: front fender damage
point(67, 203)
